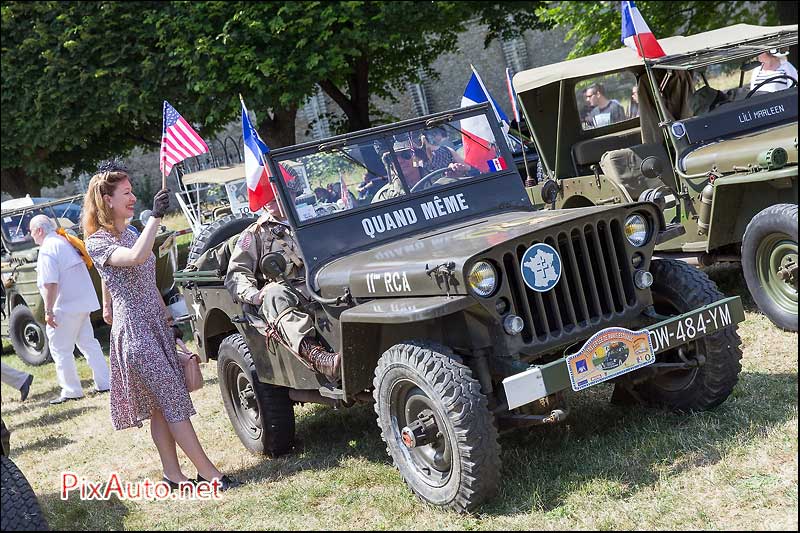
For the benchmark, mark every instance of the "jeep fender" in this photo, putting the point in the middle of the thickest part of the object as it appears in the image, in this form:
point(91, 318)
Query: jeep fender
point(365, 335)
point(746, 195)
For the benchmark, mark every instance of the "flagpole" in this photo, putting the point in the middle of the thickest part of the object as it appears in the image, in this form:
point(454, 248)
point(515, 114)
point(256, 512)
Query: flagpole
point(163, 118)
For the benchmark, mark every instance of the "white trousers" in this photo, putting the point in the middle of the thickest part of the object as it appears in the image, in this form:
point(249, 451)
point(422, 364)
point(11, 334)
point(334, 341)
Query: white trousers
point(12, 376)
point(76, 329)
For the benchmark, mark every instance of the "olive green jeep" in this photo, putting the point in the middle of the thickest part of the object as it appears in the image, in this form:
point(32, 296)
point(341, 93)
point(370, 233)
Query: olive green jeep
point(717, 155)
point(22, 306)
point(459, 310)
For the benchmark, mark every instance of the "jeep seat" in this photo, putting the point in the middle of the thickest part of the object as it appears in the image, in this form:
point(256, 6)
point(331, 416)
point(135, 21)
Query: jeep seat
point(588, 152)
point(624, 167)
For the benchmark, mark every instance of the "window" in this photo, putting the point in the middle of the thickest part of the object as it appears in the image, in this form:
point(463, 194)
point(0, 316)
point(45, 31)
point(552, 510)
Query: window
point(606, 100)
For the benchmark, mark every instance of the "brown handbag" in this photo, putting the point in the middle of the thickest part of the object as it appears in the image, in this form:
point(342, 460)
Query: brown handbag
point(191, 367)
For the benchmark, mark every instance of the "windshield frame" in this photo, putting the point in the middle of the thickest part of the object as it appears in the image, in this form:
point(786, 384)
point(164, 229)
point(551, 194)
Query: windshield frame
point(325, 238)
point(27, 243)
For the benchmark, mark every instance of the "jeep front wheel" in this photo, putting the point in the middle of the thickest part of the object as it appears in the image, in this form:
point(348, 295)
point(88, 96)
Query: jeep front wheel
point(769, 262)
point(261, 414)
point(679, 288)
point(437, 426)
point(28, 336)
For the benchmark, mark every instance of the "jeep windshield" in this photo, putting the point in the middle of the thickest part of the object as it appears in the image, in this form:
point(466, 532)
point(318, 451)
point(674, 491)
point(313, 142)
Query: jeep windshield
point(66, 213)
point(385, 182)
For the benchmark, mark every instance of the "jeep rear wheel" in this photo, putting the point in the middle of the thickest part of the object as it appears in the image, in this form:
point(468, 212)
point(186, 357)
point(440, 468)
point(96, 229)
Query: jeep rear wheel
point(679, 288)
point(261, 414)
point(28, 336)
point(769, 262)
point(437, 425)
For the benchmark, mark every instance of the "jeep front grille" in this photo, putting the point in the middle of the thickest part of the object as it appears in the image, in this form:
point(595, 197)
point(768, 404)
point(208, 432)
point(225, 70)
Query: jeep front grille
point(596, 282)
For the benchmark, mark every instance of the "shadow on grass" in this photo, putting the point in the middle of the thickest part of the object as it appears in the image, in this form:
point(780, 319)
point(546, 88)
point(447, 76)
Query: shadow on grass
point(60, 413)
point(49, 443)
point(730, 281)
point(622, 448)
point(75, 514)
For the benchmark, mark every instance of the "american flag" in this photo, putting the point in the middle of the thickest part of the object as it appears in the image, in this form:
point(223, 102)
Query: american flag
point(178, 140)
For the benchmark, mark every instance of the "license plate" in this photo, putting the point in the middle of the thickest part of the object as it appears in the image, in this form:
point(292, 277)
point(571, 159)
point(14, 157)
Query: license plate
point(692, 326)
point(607, 354)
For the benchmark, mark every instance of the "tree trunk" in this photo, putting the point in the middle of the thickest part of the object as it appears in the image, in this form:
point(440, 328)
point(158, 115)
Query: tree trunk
point(787, 14)
point(278, 130)
point(17, 183)
point(356, 106)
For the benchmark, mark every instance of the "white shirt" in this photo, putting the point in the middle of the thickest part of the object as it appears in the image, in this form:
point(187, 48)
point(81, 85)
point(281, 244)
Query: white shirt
point(759, 75)
point(60, 263)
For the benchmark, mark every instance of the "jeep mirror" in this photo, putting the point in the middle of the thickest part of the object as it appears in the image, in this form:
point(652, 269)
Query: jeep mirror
point(273, 265)
point(144, 216)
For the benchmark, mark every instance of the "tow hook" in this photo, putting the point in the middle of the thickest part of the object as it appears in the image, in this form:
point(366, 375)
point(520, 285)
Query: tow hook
point(421, 431)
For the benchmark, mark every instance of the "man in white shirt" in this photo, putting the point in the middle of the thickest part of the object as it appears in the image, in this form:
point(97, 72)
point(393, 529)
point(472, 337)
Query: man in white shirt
point(773, 64)
point(69, 298)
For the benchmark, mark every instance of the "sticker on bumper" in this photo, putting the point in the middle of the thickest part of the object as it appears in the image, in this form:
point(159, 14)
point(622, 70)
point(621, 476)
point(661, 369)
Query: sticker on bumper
point(607, 354)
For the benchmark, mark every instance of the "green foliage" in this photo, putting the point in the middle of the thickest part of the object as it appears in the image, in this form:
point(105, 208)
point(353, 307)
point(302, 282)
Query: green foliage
point(595, 26)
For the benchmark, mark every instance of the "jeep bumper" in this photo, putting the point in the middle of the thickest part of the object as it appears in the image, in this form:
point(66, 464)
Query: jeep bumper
point(540, 381)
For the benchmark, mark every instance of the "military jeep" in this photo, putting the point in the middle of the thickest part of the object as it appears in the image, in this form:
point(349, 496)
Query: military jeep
point(22, 306)
point(719, 157)
point(460, 311)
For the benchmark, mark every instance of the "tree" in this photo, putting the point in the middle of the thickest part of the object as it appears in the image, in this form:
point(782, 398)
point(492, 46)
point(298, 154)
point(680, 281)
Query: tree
point(80, 83)
point(595, 26)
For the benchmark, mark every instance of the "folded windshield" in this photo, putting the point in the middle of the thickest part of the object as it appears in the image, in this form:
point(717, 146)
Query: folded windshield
point(345, 175)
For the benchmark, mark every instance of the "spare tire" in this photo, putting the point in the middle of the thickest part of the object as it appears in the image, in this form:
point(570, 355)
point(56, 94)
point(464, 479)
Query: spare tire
point(217, 232)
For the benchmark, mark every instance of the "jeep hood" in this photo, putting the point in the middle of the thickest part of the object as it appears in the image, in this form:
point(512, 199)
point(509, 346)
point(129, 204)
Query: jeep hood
point(401, 267)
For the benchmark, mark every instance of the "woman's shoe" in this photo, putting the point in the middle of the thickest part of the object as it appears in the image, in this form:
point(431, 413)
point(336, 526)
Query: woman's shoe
point(176, 486)
point(225, 482)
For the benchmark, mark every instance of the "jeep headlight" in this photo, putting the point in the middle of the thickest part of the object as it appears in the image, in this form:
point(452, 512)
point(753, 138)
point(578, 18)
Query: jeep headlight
point(482, 279)
point(637, 230)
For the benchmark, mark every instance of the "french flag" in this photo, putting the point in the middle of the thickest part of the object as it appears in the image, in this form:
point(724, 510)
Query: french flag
point(478, 137)
point(259, 191)
point(635, 31)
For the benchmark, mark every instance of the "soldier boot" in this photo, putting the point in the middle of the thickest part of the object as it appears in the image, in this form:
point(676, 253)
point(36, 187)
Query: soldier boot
point(322, 361)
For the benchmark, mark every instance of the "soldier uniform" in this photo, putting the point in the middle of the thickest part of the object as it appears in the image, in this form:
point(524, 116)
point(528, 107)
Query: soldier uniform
point(279, 305)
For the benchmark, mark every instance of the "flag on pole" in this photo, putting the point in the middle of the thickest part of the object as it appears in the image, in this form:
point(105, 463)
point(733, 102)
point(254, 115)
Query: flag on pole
point(259, 189)
point(178, 140)
point(512, 96)
point(636, 34)
point(478, 136)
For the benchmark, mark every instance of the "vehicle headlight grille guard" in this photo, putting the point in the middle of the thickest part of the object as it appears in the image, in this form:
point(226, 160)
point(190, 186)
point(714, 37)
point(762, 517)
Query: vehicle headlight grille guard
point(596, 288)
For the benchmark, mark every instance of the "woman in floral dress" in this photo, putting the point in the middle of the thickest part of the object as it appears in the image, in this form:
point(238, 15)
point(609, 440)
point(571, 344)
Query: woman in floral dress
point(147, 379)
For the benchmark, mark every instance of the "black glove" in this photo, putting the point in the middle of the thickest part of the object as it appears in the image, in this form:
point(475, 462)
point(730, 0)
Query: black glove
point(160, 203)
point(177, 331)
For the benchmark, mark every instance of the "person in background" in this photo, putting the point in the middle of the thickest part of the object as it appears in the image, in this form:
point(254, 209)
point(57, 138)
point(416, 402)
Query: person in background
point(773, 63)
point(18, 379)
point(633, 109)
point(69, 298)
point(147, 379)
point(605, 111)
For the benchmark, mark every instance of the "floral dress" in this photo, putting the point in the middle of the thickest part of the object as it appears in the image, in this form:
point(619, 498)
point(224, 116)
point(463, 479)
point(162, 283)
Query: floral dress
point(145, 371)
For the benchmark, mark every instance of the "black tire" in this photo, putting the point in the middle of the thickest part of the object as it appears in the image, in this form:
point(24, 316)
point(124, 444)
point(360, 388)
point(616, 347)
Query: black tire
point(28, 336)
point(21, 511)
point(770, 230)
point(415, 377)
point(678, 288)
point(217, 232)
point(261, 414)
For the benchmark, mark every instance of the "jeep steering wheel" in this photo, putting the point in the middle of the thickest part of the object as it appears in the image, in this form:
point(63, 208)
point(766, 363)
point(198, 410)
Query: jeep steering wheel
point(770, 80)
point(427, 181)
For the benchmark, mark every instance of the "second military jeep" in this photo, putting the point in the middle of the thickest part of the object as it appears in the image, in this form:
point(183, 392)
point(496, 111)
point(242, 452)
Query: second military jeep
point(719, 156)
point(460, 311)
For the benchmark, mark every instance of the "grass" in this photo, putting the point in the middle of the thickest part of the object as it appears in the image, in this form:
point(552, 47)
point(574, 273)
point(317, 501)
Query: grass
point(606, 467)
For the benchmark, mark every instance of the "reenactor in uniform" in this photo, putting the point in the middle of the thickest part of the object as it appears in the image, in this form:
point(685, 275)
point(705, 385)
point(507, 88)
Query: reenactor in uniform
point(288, 325)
